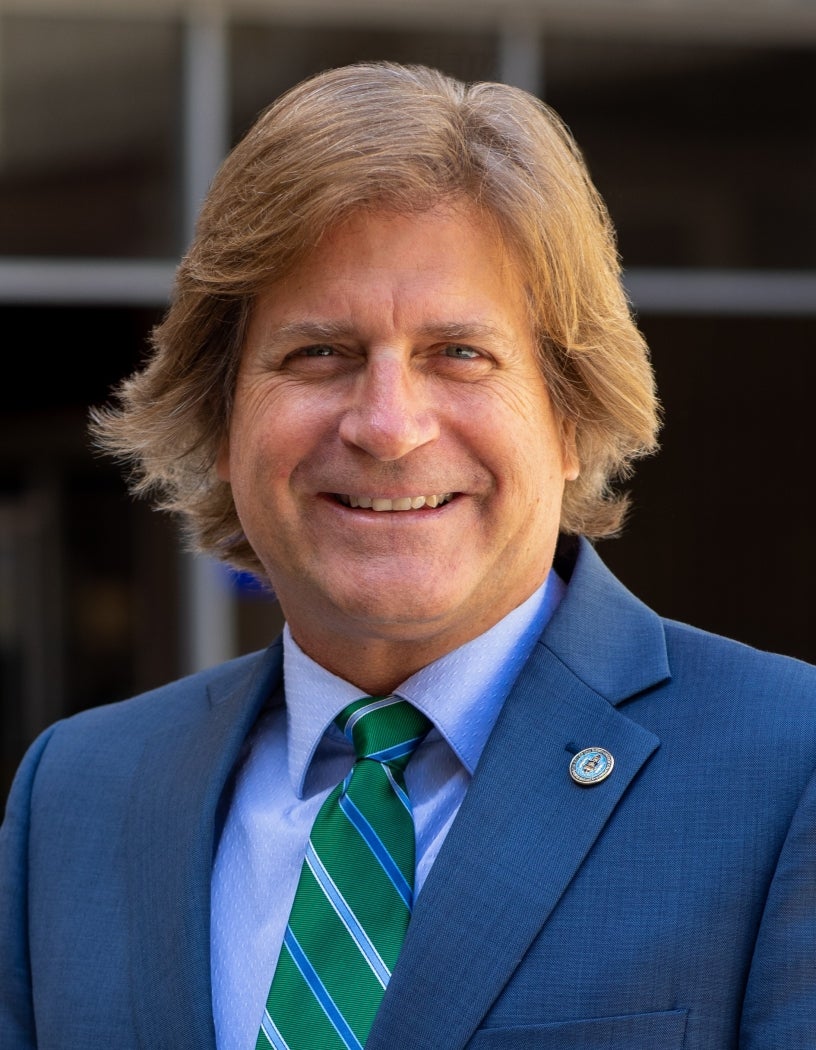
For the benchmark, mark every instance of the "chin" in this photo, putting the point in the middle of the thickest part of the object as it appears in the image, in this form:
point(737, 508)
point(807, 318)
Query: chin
point(409, 616)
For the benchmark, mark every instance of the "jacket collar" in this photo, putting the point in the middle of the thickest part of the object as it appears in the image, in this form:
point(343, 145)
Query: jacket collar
point(603, 634)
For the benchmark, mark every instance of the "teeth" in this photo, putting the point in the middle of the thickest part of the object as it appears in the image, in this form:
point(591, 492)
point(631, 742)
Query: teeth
point(379, 503)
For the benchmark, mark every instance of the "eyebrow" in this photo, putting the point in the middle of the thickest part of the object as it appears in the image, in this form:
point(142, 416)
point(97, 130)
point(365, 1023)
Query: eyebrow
point(450, 331)
point(311, 330)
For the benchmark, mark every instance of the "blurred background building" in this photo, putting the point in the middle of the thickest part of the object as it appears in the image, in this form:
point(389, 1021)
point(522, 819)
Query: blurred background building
point(698, 122)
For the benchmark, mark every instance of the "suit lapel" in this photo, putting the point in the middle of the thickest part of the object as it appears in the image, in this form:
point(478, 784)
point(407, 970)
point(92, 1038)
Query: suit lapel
point(524, 827)
point(175, 809)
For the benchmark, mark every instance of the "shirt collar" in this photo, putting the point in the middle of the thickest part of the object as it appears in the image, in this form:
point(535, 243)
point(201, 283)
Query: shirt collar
point(462, 692)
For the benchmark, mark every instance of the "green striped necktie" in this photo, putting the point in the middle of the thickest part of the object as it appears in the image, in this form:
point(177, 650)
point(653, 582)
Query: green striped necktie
point(355, 893)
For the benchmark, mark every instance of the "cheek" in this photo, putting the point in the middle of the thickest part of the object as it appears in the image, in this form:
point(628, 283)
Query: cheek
point(259, 423)
point(529, 440)
point(270, 450)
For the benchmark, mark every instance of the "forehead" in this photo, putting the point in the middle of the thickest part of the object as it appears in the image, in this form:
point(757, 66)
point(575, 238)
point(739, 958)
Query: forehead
point(451, 259)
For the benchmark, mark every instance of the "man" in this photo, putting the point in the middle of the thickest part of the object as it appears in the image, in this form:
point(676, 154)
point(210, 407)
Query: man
point(397, 381)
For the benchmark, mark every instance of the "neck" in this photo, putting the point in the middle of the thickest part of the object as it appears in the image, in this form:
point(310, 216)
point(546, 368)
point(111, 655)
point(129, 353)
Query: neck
point(375, 667)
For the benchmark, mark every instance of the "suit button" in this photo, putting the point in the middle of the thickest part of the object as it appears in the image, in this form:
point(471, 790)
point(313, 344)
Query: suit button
point(591, 766)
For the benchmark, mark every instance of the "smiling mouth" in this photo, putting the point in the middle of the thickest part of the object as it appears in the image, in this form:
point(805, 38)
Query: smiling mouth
point(379, 503)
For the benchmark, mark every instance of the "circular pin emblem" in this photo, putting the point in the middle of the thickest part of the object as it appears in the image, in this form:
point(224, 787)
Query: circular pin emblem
point(591, 766)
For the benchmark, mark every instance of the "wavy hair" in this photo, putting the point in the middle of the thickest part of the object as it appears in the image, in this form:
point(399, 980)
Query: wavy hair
point(404, 138)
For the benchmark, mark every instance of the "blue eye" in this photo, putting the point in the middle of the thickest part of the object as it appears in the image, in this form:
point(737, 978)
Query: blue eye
point(321, 350)
point(465, 353)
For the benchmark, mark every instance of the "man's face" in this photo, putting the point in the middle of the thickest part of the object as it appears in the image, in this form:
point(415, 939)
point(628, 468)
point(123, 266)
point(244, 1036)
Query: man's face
point(393, 454)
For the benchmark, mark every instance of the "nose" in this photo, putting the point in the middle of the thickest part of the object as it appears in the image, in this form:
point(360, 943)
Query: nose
point(390, 413)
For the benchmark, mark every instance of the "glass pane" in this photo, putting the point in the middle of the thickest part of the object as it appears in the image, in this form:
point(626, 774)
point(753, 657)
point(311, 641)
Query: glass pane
point(269, 59)
point(704, 153)
point(721, 529)
point(90, 126)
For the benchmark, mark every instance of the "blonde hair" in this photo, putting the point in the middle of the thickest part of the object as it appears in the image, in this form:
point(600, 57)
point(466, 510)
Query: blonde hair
point(403, 138)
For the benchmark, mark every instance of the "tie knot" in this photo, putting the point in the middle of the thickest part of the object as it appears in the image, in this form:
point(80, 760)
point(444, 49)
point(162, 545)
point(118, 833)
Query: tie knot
point(385, 728)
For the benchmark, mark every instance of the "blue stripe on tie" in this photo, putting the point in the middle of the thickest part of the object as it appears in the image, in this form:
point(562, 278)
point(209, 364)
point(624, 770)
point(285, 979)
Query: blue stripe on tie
point(375, 705)
point(374, 843)
point(347, 916)
point(388, 754)
point(401, 794)
point(319, 992)
point(272, 1034)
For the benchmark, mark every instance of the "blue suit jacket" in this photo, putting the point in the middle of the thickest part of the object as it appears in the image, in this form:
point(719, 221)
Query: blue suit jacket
point(671, 905)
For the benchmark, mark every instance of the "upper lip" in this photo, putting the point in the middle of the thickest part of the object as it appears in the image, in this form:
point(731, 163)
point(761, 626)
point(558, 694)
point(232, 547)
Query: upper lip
point(402, 502)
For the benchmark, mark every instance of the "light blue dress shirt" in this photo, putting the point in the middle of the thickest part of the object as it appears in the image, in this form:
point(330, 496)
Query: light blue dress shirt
point(296, 755)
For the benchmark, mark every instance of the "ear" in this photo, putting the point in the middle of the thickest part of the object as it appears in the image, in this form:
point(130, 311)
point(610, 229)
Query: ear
point(222, 461)
point(572, 464)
